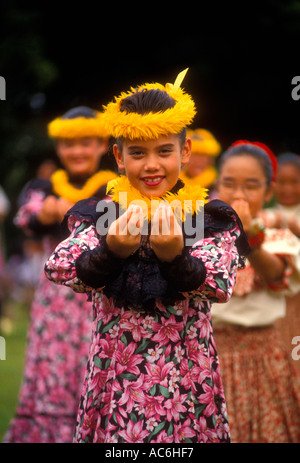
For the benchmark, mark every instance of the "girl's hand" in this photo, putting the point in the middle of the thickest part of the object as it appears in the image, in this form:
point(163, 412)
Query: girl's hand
point(294, 226)
point(53, 210)
point(48, 212)
point(166, 237)
point(62, 208)
point(273, 219)
point(124, 234)
point(241, 207)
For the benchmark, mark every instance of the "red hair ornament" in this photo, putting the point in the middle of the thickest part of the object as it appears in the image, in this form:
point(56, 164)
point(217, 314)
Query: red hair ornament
point(265, 148)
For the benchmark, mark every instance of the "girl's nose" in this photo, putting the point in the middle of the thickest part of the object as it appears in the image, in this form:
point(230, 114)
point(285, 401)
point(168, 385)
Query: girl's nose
point(151, 163)
point(239, 192)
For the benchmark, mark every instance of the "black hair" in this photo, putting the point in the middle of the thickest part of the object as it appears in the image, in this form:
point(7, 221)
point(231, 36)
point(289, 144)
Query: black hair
point(289, 158)
point(250, 150)
point(146, 101)
point(79, 111)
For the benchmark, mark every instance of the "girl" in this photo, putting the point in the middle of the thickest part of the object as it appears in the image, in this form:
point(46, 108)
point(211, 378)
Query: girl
point(153, 372)
point(60, 326)
point(260, 385)
point(286, 213)
point(201, 169)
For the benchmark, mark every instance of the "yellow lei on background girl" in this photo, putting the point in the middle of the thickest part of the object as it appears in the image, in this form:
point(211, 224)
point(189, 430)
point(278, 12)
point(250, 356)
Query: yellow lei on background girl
point(63, 188)
point(191, 198)
point(206, 178)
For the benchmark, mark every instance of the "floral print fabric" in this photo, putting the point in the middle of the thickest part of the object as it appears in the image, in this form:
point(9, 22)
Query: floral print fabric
point(153, 377)
point(58, 341)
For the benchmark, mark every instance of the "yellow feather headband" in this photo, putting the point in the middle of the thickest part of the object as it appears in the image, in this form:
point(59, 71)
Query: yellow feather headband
point(150, 126)
point(79, 127)
point(203, 142)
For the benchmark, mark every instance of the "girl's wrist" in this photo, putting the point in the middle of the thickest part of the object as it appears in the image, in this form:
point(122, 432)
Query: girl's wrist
point(256, 235)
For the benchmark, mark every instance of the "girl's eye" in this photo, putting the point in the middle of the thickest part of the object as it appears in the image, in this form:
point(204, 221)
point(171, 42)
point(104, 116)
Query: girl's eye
point(165, 152)
point(136, 153)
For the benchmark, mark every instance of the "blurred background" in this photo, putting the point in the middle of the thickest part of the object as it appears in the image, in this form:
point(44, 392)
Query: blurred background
point(241, 64)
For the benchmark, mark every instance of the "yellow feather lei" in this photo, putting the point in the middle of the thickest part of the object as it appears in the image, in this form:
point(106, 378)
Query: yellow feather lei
point(63, 188)
point(204, 143)
point(191, 198)
point(78, 127)
point(206, 178)
point(150, 126)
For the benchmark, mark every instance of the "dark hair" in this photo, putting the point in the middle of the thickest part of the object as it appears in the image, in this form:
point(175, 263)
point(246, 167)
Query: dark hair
point(79, 111)
point(146, 101)
point(248, 149)
point(289, 158)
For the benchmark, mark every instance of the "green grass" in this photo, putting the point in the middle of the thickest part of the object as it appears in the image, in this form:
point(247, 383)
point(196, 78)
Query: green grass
point(11, 369)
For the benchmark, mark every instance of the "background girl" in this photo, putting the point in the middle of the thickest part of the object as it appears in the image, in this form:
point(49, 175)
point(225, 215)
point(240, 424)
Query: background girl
point(201, 168)
point(60, 326)
point(153, 372)
point(261, 387)
point(286, 213)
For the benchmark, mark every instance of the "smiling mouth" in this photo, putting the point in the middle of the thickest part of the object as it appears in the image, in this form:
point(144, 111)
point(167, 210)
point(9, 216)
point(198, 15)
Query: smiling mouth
point(152, 181)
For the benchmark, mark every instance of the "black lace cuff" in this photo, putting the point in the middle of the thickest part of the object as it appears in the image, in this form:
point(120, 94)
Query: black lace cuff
point(99, 266)
point(185, 272)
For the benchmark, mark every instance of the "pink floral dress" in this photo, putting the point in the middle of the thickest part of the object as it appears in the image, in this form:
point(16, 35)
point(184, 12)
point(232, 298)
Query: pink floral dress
point(58, 342)
point(153, 372)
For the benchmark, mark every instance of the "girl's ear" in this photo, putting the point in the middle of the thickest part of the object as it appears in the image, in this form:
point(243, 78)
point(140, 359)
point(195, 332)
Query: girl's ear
point(186, 151)
point(270, 192)
point(118, 157)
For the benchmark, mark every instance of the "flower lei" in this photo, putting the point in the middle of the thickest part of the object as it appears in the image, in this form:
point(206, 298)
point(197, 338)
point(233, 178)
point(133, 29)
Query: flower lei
point(63, 188)
point(191, 198)
point(206, 178)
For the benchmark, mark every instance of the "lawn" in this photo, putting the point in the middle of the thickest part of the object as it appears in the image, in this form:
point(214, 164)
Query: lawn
point(11, 369)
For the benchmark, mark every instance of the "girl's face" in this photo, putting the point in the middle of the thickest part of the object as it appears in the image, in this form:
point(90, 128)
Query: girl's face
point(198, 163)
point(287, 187)
point(153, 166)
point(81, 156)
point(242, 177)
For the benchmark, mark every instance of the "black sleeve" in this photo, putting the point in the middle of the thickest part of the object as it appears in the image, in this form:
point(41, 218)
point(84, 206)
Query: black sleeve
point(185, 272)
point(99, 266)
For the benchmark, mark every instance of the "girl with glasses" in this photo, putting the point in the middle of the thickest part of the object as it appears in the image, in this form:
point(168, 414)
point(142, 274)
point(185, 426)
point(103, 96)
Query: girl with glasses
point(261, 386)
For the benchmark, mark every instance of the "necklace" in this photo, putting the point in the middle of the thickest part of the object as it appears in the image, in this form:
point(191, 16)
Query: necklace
point(206, 178)
point(63, 188)
point(187, 200)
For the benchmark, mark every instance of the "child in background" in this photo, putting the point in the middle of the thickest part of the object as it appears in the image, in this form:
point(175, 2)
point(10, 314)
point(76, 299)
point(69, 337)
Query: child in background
point(286, 214)
point(153, 372)
point(60, 321)
point(201, 169)
point(262, 389)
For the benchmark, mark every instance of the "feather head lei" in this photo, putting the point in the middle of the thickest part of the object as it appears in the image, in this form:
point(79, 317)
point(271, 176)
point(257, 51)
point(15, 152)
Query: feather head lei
point(81, 126)
point(204, 143)
point(151, 125)
point(188, 200)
